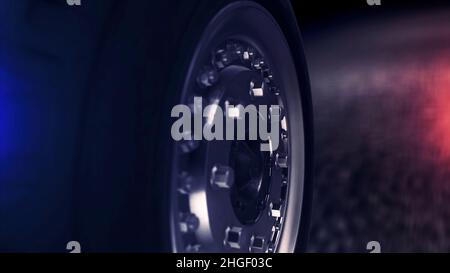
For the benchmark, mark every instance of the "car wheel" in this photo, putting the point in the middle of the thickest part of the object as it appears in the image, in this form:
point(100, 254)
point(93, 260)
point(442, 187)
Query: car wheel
point(228, 196)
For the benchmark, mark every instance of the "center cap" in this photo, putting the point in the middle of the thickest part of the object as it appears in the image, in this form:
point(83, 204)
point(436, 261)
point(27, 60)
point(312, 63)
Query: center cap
point(249, 193)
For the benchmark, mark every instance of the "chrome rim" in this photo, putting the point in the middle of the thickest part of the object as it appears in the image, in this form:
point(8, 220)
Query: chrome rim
point(228, 196)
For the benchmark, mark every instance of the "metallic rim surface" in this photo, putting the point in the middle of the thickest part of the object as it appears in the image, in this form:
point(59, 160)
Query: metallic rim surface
point(226, 196)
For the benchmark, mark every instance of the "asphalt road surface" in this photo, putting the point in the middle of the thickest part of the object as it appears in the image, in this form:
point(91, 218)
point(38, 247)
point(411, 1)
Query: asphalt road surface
point(381, 91)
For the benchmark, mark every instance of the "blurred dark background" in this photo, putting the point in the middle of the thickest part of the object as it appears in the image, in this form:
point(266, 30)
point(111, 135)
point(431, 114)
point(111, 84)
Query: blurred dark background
point(380, 78)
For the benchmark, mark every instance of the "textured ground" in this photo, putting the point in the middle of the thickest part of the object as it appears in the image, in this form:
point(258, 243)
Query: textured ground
point(381, 92)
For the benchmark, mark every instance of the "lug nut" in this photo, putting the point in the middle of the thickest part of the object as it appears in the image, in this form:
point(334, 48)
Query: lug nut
point(222, 177)
point(223, 58)
point(271, 247)
point(283, 123)
point(281, 160)
point(233, 237)
point(267, 75)
point(208, 77)
point(275, 209)
point(256, 90)
point(185, 183)
point(258, 63)
point(189, 223)
point(257, 243)
point(248, 54)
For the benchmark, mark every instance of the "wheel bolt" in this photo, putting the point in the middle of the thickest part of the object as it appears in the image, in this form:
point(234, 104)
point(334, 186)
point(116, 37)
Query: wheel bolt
point(223, 59)
point(275, 209)
point(256, 90)
point(271, 247)
point(222, 177)
point(189, 223)
point(257, 243)
point(233, 237)
point(258, 63)
point(248, 54)
point(281, 160)
point(208, 77)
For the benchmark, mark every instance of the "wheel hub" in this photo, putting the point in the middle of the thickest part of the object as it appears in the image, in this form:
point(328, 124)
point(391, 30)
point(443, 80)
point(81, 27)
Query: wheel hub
point(250, 192)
